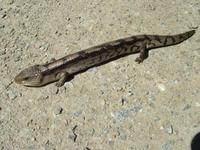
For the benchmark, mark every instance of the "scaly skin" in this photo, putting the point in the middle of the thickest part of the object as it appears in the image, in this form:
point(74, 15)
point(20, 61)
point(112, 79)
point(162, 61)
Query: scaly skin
point(62, 69)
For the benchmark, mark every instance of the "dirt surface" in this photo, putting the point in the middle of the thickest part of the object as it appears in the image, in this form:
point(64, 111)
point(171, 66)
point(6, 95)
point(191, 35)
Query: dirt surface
point(121, 105)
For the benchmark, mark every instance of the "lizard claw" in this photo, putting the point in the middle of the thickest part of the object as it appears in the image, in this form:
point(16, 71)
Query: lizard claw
point(59, 84)
point(139, 60)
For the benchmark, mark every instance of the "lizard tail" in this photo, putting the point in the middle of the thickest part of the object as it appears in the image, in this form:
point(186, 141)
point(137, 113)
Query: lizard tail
point(162, 41)
point(179, 38)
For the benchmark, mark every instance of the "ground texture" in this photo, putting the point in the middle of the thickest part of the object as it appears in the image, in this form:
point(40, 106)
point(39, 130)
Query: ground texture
point(121, 105)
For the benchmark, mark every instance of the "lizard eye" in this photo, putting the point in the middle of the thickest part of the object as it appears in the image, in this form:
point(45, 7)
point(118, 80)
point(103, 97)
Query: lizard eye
point(26, 78)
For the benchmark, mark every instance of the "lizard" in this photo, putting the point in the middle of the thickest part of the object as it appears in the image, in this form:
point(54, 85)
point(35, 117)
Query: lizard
point(63, 69)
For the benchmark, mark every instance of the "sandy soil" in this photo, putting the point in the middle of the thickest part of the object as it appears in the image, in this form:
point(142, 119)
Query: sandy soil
point(121, 105)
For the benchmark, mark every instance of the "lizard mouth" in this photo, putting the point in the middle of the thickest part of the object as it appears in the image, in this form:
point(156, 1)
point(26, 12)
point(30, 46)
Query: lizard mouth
point(18, 80)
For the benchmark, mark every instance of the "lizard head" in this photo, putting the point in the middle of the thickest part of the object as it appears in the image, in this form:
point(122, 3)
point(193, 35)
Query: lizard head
point(30, 76)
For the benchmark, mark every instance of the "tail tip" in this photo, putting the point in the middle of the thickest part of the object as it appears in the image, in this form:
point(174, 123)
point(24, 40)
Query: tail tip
point(191, 33)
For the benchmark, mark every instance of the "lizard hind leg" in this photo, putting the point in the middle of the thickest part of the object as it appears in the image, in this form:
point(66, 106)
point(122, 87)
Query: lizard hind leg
point(144, 54)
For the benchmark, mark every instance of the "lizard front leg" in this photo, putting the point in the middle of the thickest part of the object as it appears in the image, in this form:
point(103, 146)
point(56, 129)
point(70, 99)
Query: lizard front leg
point(62, 76)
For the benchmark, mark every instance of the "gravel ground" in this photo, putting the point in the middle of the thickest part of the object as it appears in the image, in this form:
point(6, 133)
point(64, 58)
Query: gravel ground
point(121, 105)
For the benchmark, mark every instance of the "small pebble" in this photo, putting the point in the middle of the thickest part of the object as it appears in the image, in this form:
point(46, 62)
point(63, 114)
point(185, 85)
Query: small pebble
point(58, 110)
point(175, 81)
point(123, 101)
point(136, 109)
point(72, 134)
point(110, 142)
point(9, 2)
point(161, 87)
point(120, 115)
point(102, 92)
point(11, 94)
point(185, 12)
point(16, 59)
point(197, 104)
point(69, 85)
point(44, 46)
point(53, 90)
point(195, 92)
point(2, 52)
point(168, 128)
point(91, 131)
point(47, 142)
point(92, 70)
point(167, 145)
point(78, 113)
point(125, 113)
point(2, 26)
point(130, 93)
point(188, 106)
point(33, 139)
point(122, 134)
point(137, 14)
point(3, 15)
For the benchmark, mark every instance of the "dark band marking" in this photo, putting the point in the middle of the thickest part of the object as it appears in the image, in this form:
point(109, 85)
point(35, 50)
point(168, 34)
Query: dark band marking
point(173, 39)
point(168, 38)
point(125, 48)
point(147, 38)
point(118, 50)
point(121, 42)
point(128, 40)
point(115, 43)
point(157, 38)
point(165, 42)
point(134, 48)
point(181, 37)
point(100, 57)
point(82, 54)
point(151, 45)
point(93, 60)
point(111, 54)
point(188, 34)
point(134, 38)
point(65, 60)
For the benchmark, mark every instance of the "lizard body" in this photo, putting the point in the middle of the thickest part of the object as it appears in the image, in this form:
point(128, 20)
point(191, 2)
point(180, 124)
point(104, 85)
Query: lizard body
point(60, 70)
